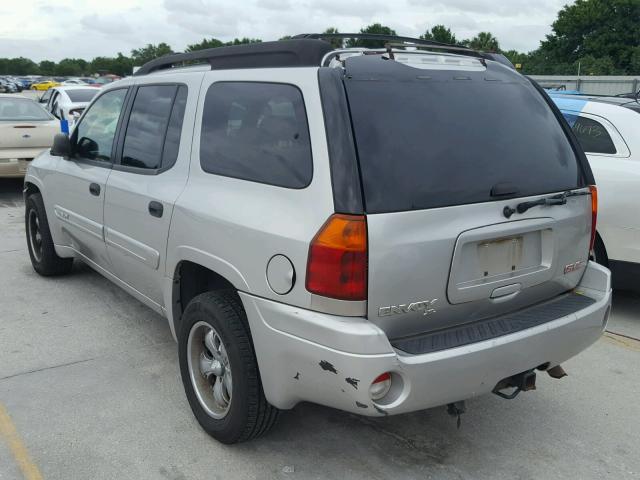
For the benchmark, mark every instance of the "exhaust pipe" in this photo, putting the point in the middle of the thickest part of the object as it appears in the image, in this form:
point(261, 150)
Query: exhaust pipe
point(557, 372)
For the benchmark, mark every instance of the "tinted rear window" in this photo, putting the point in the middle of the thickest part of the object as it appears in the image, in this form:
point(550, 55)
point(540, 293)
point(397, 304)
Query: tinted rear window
point(84, 95)
point(429, 139)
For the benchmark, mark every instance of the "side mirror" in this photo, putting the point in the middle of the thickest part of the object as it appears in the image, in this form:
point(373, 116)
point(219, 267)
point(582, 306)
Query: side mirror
point(61, 146)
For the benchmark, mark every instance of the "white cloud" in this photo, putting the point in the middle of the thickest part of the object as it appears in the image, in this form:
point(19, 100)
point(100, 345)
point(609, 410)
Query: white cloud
point(42, 29)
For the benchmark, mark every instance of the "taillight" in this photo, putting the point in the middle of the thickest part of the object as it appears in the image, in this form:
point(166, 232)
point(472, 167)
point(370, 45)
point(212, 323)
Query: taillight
point(337, 264)
point(594, 214)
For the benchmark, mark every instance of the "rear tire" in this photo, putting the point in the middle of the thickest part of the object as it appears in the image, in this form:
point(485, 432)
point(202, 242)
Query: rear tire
point(44, 258)
point(231, 411)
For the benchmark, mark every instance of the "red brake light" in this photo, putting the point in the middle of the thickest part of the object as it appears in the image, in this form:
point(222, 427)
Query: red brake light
point(337, 264)
point(382, 378)
point(594, 214)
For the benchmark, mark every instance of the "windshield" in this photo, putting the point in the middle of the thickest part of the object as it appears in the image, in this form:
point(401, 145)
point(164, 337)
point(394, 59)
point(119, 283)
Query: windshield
point(81, 95)
point(21, 109)
point(448, 138)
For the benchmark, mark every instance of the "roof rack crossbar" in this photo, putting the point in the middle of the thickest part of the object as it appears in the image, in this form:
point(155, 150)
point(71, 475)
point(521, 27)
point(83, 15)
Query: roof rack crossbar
point(397, 41)
point(444, 46)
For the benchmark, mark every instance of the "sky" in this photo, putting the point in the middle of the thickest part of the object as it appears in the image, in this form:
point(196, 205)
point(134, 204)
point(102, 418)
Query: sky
point(56, 29)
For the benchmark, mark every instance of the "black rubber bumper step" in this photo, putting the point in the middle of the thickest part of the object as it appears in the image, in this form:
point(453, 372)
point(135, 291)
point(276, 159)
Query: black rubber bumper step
point(493, 327)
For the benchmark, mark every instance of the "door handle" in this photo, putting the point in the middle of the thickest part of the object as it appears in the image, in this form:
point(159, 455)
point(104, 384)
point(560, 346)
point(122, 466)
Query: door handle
point(156, 209)
point(94, 188)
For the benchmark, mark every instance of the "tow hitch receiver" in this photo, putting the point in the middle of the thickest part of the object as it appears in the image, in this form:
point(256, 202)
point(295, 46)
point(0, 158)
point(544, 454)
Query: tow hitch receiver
point(524, 381)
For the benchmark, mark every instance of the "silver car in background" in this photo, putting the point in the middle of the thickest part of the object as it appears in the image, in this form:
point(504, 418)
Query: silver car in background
point(379, 231)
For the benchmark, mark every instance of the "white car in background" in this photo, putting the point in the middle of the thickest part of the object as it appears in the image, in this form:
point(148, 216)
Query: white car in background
point(73, 81)
point(608, 129)
point(68, 102)
point(25, 131)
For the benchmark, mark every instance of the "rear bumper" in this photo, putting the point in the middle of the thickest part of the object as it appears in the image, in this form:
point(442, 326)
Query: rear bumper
point(15, 161)
point(330, 360)
point(14, 167)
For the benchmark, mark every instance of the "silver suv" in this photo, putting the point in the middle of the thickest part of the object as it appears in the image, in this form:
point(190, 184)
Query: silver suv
point(375, 230)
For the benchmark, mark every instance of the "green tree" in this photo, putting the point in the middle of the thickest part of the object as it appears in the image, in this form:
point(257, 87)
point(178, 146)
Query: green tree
point(590, 65)
point(375, 28)
point(243, 41)
point(204, 44)
point(517, 58)
point(634, 62)
point(215, 43)
point(335, 42)
point(440, 33)
point(484, 41)
point(120, 65)
point(71, 67)
point(595, 29)
point(18, 66)
point(140, 56)
point(47, 67)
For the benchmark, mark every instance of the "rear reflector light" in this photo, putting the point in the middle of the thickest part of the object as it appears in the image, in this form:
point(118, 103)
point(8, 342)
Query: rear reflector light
point(380, 386)
point(594, 214)
point(337, 264)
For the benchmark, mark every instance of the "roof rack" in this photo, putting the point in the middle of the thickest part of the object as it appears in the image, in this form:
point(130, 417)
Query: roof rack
point(299, 52)
point(394, 41)
point(369, 36)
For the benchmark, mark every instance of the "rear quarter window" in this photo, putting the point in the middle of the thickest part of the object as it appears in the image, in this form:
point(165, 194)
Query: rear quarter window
point(591, 134)
point(258, 132)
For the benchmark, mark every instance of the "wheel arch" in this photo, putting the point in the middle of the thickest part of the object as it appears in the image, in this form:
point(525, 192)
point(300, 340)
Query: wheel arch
point(192, 277)
point(30, 187)
point(599, 241)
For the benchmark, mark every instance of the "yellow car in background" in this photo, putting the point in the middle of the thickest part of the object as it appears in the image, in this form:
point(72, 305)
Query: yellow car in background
point(45, 85)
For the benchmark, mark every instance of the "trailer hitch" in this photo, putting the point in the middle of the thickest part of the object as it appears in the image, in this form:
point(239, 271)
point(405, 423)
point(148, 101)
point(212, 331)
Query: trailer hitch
point(522, 382)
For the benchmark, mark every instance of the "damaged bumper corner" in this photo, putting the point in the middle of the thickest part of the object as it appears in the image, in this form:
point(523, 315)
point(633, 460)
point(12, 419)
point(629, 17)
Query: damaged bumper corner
point(332, 360)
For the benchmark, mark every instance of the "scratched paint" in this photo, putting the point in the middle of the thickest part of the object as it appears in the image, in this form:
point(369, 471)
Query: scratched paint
point(327, 366)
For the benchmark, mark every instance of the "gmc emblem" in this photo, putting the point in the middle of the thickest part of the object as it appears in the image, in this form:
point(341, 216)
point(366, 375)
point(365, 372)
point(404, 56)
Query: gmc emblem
point(426, 307)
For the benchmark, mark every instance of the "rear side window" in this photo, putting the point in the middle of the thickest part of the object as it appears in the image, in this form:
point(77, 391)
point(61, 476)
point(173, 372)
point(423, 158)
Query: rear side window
point(447, 138)
point(591, 134)
point(82, 95)
point(258, 132)
point(154, 126)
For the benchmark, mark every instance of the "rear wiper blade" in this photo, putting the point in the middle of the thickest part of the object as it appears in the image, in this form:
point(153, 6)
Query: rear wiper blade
point(559, 199)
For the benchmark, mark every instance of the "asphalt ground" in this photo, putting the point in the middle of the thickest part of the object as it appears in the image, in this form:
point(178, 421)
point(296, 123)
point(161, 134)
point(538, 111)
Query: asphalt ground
point(90, 389)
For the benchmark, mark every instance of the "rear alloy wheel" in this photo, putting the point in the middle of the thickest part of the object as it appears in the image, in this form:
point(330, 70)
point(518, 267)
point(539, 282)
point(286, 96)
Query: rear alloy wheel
point(220, 371)
point(209, 369)
point(43, 254)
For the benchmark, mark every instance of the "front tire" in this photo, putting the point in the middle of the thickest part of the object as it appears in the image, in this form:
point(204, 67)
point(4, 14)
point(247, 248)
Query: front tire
point(219, 369)
point(43, 254)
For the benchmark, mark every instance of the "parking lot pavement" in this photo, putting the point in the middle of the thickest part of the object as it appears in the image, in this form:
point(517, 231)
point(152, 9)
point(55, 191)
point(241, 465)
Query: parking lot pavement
point(89, 378)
